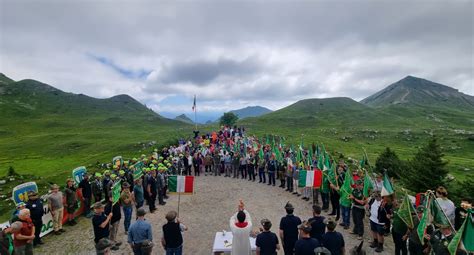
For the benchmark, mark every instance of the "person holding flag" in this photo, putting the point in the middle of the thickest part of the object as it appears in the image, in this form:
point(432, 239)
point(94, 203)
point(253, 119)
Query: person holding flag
point(358, 209)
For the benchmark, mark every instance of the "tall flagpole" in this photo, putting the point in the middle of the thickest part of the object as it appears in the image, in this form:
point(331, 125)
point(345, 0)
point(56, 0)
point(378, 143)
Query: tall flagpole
point(195, 112)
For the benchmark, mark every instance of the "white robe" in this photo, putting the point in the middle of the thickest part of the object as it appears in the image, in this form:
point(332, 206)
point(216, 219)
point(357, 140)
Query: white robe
point(240, 239)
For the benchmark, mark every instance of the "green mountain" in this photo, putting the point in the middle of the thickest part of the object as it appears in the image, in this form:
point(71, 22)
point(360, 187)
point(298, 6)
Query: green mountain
point(46, 132)
point(403, 116)
point(251, 111)
point(415, 91)
point(184, 118)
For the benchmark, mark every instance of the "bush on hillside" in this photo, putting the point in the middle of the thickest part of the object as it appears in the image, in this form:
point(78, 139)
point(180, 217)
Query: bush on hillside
point(389, 160)
point(228, 119)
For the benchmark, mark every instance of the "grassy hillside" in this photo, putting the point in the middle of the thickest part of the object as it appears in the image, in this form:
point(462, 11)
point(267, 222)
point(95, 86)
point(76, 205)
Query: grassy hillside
point(45, 132)
point(346, 126)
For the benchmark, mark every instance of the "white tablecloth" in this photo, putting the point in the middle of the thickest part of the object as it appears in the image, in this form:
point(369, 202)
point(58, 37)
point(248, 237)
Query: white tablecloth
point(220, 245)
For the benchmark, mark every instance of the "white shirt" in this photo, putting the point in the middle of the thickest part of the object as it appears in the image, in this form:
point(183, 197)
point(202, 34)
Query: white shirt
point(374, 211)
point(240, 239)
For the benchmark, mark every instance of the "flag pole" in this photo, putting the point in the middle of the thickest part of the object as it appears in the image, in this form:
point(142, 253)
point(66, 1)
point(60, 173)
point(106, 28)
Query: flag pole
point(179, 199)
point(195, 114)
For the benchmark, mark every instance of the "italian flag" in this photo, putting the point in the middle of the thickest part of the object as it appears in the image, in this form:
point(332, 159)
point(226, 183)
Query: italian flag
point(181, 184)
point(310, 178)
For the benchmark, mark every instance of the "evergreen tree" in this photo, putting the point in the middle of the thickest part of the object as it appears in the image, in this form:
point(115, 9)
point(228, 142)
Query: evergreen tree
point(389, 160)
point(228, 119)
point(427, 169)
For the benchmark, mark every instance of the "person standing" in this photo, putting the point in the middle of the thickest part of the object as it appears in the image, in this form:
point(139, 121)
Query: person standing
point(71, 201)
point(261, 170)
point(55, 204)
point(35, 206)
point(241, 226)
point(446, 204)
point(113, 209)
point(197, 164)
point(271, 171)
point(86, 190)
point(333, 240)
point(305, 245)
point(127, 201)
point(376, 226)
point(243, 166)
point(318, 227)
point(234, 163)
point(23, 240)
point(139, 232)
point(289, 229)
point(172, 239)
point(358, 209)
point(6, 240)
point(267, 241)
point(101, 223)
point(138, 193)
point(152, 191)
point(96, 187)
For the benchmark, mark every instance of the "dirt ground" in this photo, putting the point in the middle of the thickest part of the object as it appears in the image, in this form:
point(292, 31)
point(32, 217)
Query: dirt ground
point(204, 213)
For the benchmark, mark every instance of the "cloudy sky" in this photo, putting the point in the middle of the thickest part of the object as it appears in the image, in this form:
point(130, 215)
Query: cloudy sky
point(233, 54)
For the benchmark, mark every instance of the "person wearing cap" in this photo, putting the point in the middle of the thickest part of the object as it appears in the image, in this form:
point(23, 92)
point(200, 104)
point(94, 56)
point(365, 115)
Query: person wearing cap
point(101, 223)
point(103, 246)
point(127, 201)
point(305, 244)
point(318, 225)
point(289, 229)
point(23, 240)
point(110, 207)
point(446, 204)
point(414, 244)
point(19, 206)
point(86, 190)
point(36, 208)
point(96, 187)
point(267, 241)
point(55, 205)
point(71, 201)
point(139, 232)
point(152, 188)
point(358, 209)
point(241, 226)
point(172, 239)
point(6, 240)
point(333, 240)
point(440, 239)
point(138, 193)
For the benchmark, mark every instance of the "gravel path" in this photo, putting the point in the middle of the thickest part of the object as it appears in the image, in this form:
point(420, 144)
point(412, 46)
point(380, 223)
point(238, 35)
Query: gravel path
point(205, 213)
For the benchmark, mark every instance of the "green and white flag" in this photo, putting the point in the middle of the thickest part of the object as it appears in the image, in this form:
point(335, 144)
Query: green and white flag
point(387, 188)
point(116, 189)
point(425, 220)
point(464, 236)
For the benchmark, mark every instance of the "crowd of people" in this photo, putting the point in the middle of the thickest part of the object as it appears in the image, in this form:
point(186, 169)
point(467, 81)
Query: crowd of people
point(231, 153)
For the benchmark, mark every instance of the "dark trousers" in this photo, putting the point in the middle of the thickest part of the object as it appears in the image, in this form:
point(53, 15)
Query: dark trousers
point(325, 198)
point(400, 245)
point(289, 183)
point(208, 169)
point(187, 170)
point(289, 248)
point(261, 175)
point(243, 171)
point(87, 205)
point(415, 248)
point(160, 195)
point(151, 201)
point(196, 170)
point(358, 215)
point(38, 226)
point(251, 172)
point(335, 203)
point(315, 196)
point(271, 178)
point(97, 197)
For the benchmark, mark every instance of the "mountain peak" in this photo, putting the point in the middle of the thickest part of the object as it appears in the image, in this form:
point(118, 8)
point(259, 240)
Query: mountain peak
point(4, 79)
point(184, 118)
point(251, 111)
point(418, 91)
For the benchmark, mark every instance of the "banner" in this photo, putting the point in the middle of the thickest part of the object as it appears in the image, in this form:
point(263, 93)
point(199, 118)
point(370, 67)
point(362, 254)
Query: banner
point(78, 174)
point(116, 189)
point(117, 161)
point(138, 172)
point(48, 218)
point(20, 192)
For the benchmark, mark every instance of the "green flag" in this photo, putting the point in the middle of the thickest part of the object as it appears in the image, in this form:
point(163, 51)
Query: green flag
point(465, 235)
point(368, 186)
point(346, 190)
point(424, 221)
point(438, 216)
point(406, 211)
point(260, 153)
point(116, 192)
point(387, 188)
